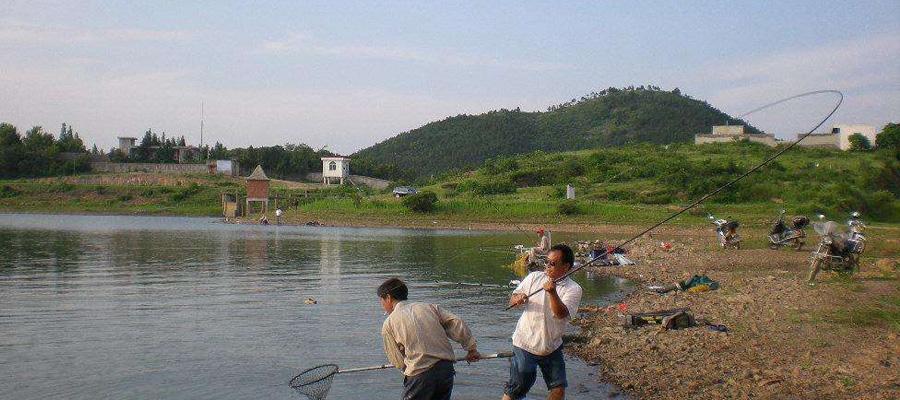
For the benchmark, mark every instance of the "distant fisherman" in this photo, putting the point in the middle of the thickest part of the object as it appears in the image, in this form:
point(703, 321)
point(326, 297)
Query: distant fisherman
point(416, 341)
point(542, 247)
point(537, 341)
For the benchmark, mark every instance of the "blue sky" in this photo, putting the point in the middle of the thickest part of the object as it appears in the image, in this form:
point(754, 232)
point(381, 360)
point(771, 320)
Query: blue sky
point(349, 74)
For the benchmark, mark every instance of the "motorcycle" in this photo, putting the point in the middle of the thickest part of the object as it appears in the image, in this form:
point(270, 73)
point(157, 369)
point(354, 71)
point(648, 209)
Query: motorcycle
point(784, 235)
point(726, 231)
point(838, 251)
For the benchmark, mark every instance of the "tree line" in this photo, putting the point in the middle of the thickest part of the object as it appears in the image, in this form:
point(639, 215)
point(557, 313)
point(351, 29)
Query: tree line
point(39, 153)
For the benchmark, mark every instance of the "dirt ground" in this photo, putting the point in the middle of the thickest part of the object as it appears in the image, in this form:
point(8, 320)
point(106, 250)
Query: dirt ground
point(785, 339)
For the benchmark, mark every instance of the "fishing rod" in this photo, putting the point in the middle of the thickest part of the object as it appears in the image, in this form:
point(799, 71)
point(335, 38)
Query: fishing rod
point(714, 192)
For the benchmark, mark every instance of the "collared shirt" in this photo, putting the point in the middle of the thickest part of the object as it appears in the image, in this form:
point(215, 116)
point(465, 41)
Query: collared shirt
point(539, 331)
point(416, 336)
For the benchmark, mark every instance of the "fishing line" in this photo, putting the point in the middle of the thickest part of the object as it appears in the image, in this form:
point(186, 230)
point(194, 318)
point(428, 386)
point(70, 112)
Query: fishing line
point(723, 187)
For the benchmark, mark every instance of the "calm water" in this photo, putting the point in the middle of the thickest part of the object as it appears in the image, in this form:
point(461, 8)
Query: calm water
point(177, 308)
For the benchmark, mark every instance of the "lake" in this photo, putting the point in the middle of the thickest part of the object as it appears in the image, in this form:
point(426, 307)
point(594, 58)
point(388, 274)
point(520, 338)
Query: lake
point(192, 308)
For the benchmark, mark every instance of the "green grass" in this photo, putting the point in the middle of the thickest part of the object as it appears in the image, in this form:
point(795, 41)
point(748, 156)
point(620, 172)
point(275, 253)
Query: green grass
point(881, 312)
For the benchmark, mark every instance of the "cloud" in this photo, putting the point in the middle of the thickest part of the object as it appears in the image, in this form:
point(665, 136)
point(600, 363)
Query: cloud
point(305, 43)
point(860, 68)
point(18, 33)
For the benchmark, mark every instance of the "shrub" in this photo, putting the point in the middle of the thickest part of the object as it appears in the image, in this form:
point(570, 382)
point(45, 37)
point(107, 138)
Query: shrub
point(60, 187)
point(8, 191)
point(422, 202)
point(494, 187)
point(568, 207)
point(125, 197)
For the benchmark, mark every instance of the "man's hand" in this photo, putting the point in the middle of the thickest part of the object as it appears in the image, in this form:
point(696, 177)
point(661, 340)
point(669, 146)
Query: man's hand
point(518, 299)
point(473, 355)
point(550, 286)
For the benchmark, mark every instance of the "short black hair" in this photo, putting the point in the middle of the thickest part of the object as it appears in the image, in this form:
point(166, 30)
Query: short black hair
point(568, 256)
point(395, 288)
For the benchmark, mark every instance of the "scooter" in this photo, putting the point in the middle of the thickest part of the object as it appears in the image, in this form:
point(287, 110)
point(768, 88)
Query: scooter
point(726, 231)
point(838, 251)
point(784, 235)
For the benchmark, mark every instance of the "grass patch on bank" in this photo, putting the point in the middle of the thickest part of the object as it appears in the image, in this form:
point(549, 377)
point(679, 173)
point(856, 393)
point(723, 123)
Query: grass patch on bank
point(882, 311)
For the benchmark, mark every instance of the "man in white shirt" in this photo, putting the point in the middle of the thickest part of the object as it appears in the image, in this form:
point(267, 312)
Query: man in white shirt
point(537, 341)
point(416, 341)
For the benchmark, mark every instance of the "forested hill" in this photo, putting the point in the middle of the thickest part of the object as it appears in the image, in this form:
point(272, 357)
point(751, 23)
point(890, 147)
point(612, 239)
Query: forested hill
point(608, 118)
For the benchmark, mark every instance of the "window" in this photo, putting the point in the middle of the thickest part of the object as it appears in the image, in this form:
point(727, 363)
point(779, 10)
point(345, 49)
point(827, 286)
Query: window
point(332, 166)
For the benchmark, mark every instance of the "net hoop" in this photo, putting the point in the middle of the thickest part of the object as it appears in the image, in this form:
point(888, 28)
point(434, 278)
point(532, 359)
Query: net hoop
point(297, 382)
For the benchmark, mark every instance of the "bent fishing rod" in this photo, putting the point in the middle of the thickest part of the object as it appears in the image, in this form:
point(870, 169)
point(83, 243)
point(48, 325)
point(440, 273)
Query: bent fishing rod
point(716, 191)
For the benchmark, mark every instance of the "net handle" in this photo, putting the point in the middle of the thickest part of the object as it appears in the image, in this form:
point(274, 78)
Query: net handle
point(503, 354)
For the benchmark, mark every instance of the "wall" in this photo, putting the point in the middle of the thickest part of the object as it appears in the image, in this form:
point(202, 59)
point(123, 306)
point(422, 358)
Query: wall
point(149, 167)
point(728, 130)
point(848, 130)
point(257, 190)
point(342, 171)
point(356, 179)
point(768, 140)
point(819, 140)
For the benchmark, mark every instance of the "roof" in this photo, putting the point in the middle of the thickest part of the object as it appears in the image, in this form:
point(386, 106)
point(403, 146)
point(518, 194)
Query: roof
point(258, 174)
point(335, 158)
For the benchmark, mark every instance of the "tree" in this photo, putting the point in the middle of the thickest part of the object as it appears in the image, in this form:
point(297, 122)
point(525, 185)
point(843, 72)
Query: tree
point(858, 142)
point(889, 137)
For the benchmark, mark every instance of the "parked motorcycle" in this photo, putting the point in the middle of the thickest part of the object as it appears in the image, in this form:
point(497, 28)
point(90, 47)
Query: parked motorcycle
point(726, 231)
point(784, 235)
point(838, 250)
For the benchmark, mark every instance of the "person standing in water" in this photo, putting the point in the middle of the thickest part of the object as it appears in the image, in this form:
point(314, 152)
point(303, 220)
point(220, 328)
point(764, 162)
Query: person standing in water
point(417, 341)
point(537, 340)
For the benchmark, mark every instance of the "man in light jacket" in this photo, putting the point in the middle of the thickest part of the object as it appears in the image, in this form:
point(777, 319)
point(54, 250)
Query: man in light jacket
point(416, 341)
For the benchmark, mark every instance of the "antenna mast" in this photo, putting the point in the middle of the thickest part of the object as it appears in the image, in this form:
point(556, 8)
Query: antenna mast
point(201, 124)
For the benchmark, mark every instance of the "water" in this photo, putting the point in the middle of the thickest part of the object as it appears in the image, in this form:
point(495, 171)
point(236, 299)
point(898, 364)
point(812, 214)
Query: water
point(189, 308)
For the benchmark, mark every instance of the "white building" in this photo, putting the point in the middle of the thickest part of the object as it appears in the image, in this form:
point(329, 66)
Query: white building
point(335, 169)
point(839, 137)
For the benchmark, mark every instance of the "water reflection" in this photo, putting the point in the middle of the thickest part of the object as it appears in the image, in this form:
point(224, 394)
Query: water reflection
point(134, 307)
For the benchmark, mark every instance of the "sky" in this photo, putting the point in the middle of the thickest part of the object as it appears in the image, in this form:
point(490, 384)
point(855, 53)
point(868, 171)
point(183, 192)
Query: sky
point(346, 75)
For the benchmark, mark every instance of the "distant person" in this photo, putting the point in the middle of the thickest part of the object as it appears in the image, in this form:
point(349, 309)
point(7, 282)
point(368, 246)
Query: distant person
point(537, 341)
point(416, 342)
point(278, 214)
point(264, 220)
point(542, 247)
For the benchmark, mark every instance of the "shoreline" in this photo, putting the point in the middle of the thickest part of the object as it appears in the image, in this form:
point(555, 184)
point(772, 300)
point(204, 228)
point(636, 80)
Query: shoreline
point(839, 347)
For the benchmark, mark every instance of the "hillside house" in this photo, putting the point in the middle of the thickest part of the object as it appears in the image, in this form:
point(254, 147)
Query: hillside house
point(335, 169)
point(839, 136)
point(733, 133)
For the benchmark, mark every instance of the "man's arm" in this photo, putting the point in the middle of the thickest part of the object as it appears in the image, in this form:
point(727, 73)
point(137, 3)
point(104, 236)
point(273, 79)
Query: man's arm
point(391, 348)
point(520, 295)
point(557, 306)
point(457, 330)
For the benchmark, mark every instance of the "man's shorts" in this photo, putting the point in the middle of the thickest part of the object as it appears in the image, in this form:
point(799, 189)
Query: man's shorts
point(523, 371)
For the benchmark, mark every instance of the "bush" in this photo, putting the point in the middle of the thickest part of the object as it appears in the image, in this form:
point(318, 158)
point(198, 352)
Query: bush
point(422, 202)
point(494, 187)
point(568, 207)
point(8, 191)
point(125, 197)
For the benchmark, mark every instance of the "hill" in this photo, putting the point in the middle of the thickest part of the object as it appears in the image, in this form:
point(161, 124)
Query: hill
point(611, 117)
point(803, 180)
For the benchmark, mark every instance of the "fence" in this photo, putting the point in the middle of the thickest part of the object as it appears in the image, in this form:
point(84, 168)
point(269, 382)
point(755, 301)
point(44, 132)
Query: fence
point(149, 167)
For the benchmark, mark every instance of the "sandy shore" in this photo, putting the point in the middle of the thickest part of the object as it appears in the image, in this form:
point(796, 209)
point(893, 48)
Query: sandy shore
point(838, 339)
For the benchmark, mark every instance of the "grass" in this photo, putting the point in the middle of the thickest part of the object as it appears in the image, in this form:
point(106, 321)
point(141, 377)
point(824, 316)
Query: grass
point(883, 311)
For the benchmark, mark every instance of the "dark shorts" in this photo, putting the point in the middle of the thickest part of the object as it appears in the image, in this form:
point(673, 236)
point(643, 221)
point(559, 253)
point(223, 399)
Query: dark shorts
point(523, 371)
point(435, 383)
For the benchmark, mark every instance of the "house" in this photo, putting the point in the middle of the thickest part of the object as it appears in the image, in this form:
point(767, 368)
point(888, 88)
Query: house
point(258, 189)
point(733, 133)
point(839, 136)
point(126, 144)
point(335, 169)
